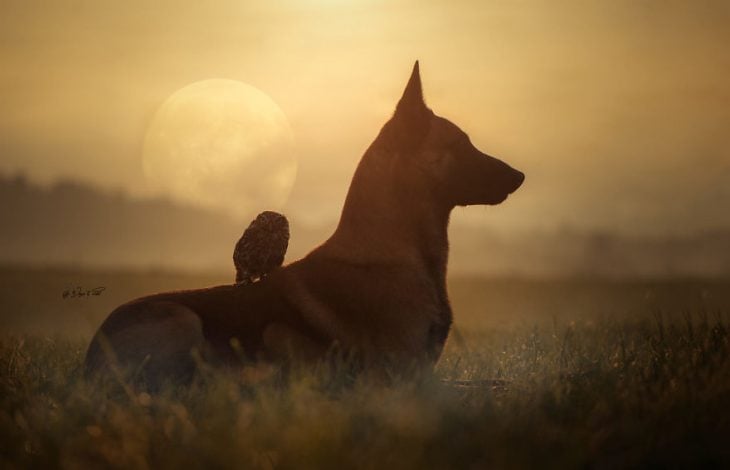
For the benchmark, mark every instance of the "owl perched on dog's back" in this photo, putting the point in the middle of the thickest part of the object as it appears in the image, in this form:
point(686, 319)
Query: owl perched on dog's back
point(261, 248)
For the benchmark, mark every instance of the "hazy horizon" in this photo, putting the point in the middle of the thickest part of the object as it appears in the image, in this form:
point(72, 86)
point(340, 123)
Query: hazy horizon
point(71, 225)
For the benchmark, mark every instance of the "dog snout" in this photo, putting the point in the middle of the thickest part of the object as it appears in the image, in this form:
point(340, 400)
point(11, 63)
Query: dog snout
point(518, 178)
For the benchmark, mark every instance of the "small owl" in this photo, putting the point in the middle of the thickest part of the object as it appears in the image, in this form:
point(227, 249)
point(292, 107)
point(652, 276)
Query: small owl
point(261, 248)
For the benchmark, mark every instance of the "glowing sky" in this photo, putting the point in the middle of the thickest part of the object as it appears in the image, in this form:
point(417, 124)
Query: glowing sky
point(617, 111)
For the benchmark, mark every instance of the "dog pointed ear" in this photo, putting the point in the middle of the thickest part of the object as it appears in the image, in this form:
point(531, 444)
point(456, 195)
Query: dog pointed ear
point(411, 103)
point(411, 119)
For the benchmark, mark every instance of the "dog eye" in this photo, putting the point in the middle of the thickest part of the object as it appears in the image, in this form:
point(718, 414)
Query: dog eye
point(459, 145)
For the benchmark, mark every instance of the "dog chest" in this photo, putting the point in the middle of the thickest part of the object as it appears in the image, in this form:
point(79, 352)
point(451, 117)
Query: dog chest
point(388, 309)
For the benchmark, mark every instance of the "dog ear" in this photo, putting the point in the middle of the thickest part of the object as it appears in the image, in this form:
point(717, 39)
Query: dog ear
point(411, 104)
point(412, 116)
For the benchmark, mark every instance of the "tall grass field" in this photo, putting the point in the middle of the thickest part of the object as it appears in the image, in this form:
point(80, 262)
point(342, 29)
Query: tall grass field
point(536, 374)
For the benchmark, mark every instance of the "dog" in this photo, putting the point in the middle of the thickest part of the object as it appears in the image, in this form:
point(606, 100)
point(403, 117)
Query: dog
point(376, 288)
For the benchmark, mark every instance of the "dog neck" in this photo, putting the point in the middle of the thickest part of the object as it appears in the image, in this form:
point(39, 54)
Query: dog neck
point(392, 220)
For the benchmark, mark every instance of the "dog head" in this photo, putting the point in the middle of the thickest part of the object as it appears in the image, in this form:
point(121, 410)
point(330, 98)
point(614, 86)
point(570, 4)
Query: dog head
point(440, 155)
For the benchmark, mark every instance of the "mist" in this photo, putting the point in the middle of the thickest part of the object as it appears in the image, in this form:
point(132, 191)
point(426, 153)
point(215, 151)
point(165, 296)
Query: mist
point(617, 113)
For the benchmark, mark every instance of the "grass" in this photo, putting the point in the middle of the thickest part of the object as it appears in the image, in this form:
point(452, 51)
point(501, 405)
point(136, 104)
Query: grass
point(647, 393)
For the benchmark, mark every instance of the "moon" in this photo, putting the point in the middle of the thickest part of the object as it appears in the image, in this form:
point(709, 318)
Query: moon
point(221, 144)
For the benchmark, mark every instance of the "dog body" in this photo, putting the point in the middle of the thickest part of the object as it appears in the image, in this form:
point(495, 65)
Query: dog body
point(376, 287)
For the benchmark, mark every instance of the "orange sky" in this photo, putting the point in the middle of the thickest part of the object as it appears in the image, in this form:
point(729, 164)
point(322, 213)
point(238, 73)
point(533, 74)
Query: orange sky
point(618, 112)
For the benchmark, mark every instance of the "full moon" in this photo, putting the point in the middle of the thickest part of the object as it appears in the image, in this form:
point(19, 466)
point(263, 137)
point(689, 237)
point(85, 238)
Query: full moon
point(221, 144)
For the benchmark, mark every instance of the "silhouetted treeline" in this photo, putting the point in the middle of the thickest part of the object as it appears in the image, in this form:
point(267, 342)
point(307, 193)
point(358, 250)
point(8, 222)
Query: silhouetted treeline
point(74, 224)
point(71, 223)
point(575, 253)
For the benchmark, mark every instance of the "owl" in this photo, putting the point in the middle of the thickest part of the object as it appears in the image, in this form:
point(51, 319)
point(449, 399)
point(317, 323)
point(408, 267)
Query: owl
point(261, 248)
